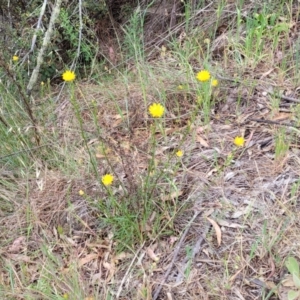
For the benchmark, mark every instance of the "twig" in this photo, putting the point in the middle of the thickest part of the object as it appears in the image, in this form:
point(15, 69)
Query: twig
point(21, 151)
point(286, 98)
point(46, 41)
point(178, 247)
point(196, 250)
point(80, 34)
point(128, 270)
point(38, 26)
point(23, 97)
point(272, 122)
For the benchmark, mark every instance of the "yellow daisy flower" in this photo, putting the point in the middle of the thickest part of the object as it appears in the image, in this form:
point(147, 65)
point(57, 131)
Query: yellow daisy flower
point(81, 192)
point(179, 153)
point(68, 75)
point(15, 58)
point(107, 179)
point(214, 82)
point(239, 141)
point(156, 110)
point(203, 76)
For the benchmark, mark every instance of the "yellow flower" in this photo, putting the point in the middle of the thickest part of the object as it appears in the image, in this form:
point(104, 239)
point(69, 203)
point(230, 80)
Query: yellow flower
point(68, 75)
point(180, 87)
point(239, 141)
point(214, 82)
point(65, 296)
point(107, 179)
point(42, 83)
point(156, 110)
point(15, 58)
point(179, 153)
point(207, 41)
point(203, 76)
point(81, 192)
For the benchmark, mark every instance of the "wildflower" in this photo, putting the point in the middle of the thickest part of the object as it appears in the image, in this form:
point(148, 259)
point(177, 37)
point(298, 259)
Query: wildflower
point(156, 110)
point(180, 87)
point(15, 58)
point(179, 153)
point(207, 41)
point(239, 141)
point(107, 179)
point(203, 76)
point(68, 75)
point(42, 83)
point(65, 296)
point(81, 192)
point(214, 82)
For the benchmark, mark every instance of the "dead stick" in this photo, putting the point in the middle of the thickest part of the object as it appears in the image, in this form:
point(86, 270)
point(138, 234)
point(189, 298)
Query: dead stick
point(178, 247)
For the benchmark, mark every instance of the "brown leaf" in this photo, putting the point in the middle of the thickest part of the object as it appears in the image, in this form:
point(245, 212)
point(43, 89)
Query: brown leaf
point(202, 141)
point(217, 229)
point(18, 245)
point(229, 224)
point(171, 196)
point(87, 259)
point(20, 257)
point(151, 254)
point(111, 268)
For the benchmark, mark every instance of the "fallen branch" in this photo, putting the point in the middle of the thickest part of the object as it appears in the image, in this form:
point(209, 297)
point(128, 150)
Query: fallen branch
point(38, 26)
point(46, 41)
point(178, 247)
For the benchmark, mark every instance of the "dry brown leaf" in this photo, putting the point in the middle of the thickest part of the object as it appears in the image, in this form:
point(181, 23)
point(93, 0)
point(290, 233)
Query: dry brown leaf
point(87, 259)
point(202, 141)
point(229, 224)
point(244, 211)
point(20, 257)
point(280, 116)
point(18, 245)
point(111, 268)
point(173, 239)
point(120, 256)
point(217, 229)
point(151, 254)
point(288, 281)
point(171, 196)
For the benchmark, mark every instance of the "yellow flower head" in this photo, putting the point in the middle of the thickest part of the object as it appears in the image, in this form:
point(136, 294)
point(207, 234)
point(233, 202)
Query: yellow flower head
point(179, 153)
point(203, 76)
point(207, 41)
point(156, 110)
point(15, 58)
point(239, 141)
point(68, 75)
point(81, 192)
point(180, 87)
point(107, 179)
point(214, 82)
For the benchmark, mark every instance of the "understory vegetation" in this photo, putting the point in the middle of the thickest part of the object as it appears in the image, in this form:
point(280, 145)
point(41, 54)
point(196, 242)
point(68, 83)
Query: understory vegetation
point(149, 150)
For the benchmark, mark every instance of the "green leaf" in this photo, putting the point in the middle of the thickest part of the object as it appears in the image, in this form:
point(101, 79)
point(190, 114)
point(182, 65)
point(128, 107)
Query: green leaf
point(282, 27)
point(292, 265)
point(293, 294)
point(296, 280)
